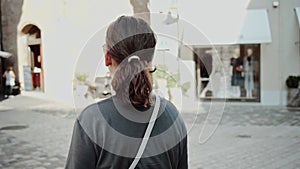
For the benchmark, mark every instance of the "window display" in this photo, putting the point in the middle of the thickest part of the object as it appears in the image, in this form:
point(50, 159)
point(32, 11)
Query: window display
point(230, 72)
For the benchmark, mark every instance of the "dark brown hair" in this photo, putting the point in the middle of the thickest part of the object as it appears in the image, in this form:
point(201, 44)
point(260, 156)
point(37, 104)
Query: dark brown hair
point(126, 37)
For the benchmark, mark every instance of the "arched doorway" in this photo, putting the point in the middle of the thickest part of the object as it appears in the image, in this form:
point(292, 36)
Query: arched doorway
point(33, 69)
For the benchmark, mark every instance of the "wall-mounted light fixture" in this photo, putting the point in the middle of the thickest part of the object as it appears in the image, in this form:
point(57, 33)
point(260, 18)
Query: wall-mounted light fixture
point(275, 4)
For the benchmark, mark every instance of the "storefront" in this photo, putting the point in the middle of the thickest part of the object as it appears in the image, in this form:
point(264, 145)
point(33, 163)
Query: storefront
point(237, 50)
point(230, 68)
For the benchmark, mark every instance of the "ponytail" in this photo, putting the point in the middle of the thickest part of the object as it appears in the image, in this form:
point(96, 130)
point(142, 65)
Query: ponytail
point(131, 43)
point(132, 83)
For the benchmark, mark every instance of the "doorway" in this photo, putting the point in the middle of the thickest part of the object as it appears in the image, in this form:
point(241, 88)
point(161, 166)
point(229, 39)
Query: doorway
point(33, 68)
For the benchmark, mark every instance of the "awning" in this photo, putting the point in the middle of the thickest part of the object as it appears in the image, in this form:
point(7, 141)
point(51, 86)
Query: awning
point(297, 10)
point(5, 54)
point(256, 28)
point(252, 27)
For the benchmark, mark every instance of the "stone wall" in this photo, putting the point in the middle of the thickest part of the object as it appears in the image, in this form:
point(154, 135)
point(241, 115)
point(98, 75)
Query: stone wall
point(11, 11)
point(140, 9)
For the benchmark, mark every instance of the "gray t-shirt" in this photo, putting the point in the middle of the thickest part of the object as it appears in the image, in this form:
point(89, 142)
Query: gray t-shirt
point(108, 134)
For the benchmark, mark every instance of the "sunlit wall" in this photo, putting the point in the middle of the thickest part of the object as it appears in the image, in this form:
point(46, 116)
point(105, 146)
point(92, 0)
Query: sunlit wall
point(65, 27)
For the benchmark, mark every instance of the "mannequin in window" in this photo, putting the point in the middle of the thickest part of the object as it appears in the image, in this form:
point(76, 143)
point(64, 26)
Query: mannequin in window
point(249, 72)
point(236, 69)
point(205, 67)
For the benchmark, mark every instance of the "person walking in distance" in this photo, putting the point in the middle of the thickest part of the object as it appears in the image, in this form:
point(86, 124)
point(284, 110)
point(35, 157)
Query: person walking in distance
point(9, 75)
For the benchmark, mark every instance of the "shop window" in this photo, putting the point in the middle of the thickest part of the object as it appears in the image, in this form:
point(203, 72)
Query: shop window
point(238, 66)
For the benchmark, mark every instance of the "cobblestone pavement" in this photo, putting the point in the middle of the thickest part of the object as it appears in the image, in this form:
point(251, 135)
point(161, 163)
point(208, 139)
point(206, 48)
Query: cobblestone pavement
point(43, 141)
point(247, 137)
point(16, 154)
point(247, 147)
point(244, 115)
point(257, 137)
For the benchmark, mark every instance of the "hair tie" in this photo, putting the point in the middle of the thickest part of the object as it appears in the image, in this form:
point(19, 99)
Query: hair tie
point(153, 70)
point(133, 57)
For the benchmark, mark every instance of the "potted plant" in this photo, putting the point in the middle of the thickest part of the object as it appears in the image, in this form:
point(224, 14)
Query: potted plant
point(169, 85)
point(293, 85)
point(82, 85)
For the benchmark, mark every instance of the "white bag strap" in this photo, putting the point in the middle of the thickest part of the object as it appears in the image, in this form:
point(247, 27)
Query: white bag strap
point(147, 133)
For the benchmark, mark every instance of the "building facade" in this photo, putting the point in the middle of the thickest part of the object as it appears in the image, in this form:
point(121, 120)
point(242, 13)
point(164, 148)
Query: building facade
point(48, 40)
point(244, 52)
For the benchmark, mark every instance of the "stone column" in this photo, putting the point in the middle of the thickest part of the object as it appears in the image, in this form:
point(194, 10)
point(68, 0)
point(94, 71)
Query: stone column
point(140, 9)
point(11, 12)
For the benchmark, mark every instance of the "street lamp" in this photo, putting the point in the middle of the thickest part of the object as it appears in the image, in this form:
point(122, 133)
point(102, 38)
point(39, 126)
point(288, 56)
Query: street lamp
point(170, 20)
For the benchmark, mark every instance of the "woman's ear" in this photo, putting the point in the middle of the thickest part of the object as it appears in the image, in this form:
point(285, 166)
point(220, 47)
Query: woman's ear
point(108, 61)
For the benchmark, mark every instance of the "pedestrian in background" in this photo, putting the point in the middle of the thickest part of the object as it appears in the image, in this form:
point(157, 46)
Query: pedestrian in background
point(10, 77)
point(134, 128)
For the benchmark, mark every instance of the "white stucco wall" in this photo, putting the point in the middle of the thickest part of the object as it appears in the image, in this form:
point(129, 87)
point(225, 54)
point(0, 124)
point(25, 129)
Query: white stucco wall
point(67, 25)
point(65, 28)
point(290, 42)
point(269, 70)
point(280, 58)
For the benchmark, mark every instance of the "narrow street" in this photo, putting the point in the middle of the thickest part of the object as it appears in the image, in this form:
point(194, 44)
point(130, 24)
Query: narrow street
point(36, 133)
